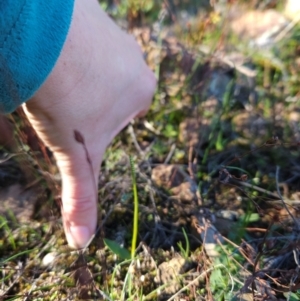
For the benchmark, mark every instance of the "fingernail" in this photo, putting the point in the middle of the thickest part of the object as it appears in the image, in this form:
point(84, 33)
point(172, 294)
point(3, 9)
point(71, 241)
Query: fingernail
point(79, 236)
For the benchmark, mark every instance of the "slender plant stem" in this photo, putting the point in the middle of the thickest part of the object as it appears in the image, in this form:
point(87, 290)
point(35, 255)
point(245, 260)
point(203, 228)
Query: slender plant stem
point(136, 209)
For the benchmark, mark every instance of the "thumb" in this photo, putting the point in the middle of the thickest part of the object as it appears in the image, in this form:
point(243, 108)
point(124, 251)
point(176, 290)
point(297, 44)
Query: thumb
point(79, 198)
point(79, 165)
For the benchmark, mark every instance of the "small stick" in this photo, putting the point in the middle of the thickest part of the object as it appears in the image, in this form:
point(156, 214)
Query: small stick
point(281, 198)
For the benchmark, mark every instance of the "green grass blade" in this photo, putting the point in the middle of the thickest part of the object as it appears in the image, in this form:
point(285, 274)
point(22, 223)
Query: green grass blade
point(136, 209)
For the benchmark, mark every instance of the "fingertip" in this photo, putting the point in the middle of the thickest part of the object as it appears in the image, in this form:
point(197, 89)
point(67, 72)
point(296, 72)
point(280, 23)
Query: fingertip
point(78, 236)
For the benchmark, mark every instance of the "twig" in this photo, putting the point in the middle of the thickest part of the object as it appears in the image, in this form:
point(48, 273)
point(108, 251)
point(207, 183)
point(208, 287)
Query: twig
point(8, 157)
point(151, 128)
point(241, 251)
point(136, 144)
point(281, 198)
point(170, 154)
point(157, 218)
point(103, 294)
point(296, 272)
point(296, 257)
point(190, 165)
point(276, 282)
point(287, 28)
point(224, 59)
point(255, 187)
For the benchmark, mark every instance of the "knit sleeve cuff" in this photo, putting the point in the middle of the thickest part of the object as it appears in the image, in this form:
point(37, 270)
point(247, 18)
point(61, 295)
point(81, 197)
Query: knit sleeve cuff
point(32, 34)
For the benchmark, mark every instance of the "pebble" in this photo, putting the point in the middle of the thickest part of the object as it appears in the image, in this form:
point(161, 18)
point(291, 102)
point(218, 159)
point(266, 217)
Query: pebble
point(49, 259)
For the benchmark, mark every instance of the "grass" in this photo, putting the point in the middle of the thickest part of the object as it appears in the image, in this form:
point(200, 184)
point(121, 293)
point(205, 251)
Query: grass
point(135, 210)
point(229, 231)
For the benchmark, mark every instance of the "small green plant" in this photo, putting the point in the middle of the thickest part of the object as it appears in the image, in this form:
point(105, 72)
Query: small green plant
point(117, 249)
point(184, 251)
point(4, 225)
point(223, 279)
point(136, 209)
point(292, 296)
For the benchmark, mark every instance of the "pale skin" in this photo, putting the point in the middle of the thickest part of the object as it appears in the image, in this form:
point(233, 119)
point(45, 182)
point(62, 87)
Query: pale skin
point(99, 83)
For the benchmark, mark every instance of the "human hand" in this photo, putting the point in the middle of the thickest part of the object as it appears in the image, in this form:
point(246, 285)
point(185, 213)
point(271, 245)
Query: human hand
point(99, 83)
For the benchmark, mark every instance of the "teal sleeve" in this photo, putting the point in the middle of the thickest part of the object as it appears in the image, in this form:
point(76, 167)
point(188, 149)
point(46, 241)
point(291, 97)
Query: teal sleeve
point(32, 34)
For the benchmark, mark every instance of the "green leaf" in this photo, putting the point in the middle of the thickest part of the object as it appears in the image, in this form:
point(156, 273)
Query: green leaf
point(216, 279)
point(253, 217)
point(292, 296)
point(170, 131)
point(117, 249)
point(220, 142)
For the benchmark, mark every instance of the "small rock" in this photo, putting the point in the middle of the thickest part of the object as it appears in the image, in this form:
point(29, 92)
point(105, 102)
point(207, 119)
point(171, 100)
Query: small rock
point(228, 214)
point(169, 272)
point(49, 259)
point(219, 83)
point(225, 226)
